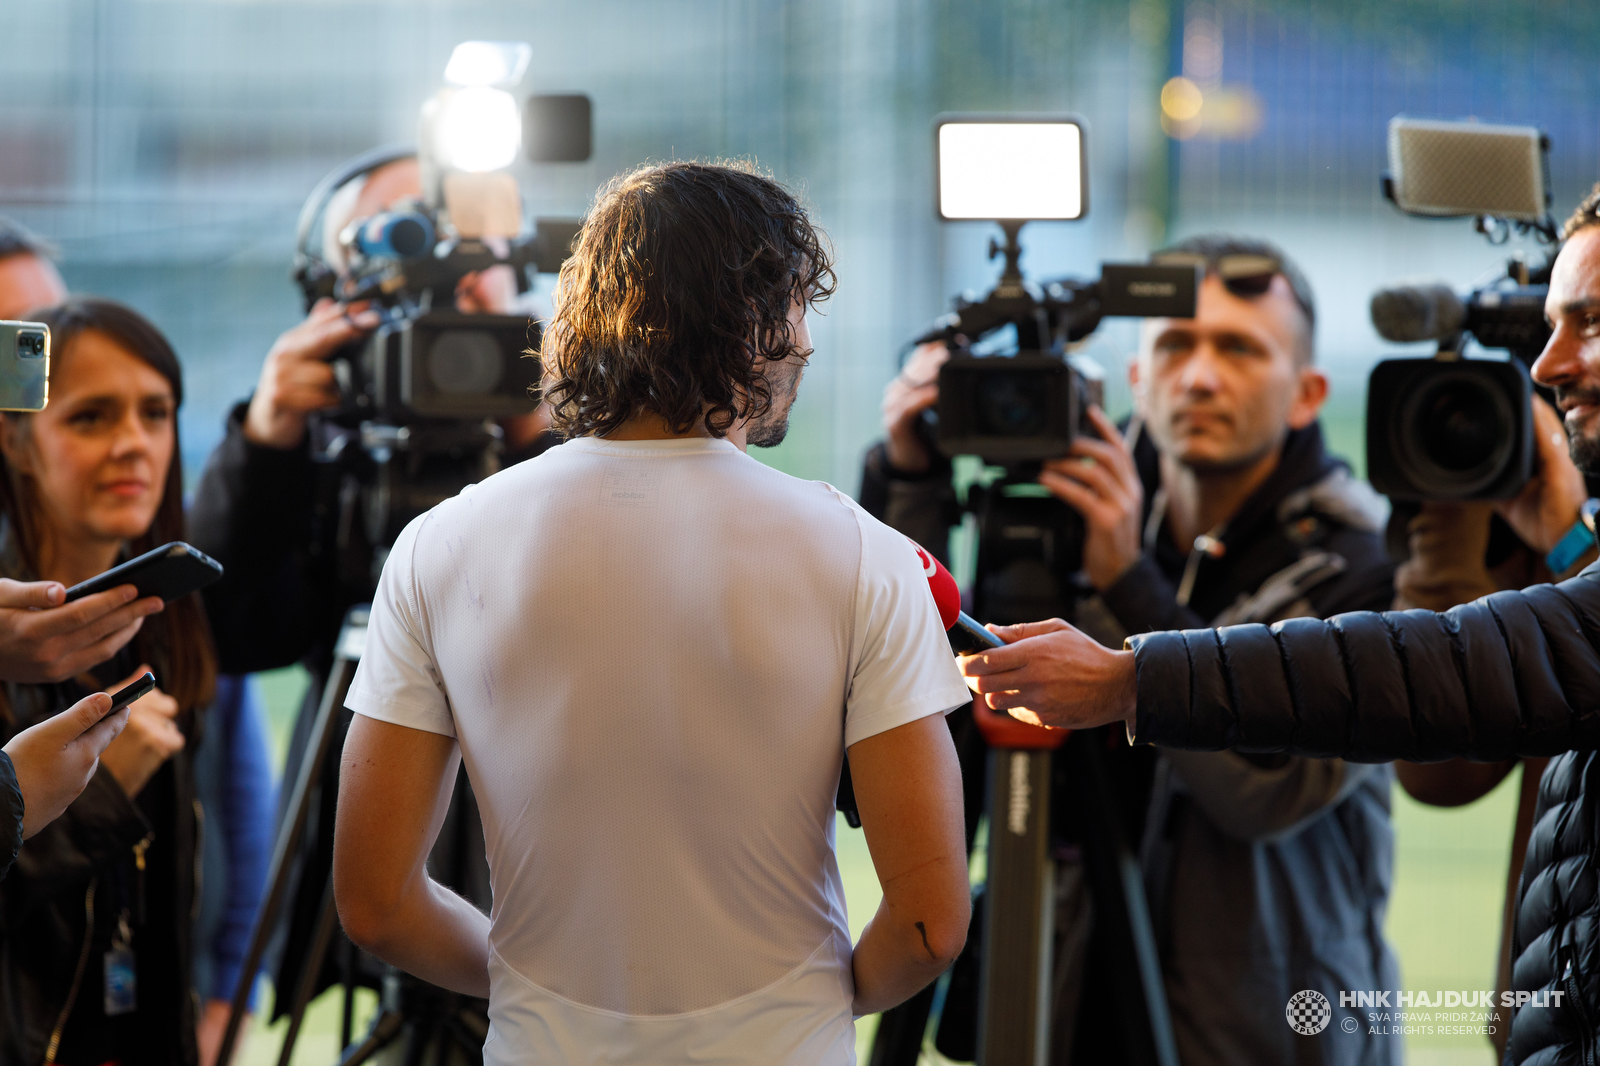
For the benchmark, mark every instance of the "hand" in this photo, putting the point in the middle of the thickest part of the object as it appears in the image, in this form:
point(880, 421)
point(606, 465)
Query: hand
point(1099, 480)
point(296, 378)
point(152, 737)
point(1449, 543)
point(1052, 675)
point(43, 639)
point(913, 391)
point(487, 292)
point(1548, 504)
point(55, 759)
point(208, 1031)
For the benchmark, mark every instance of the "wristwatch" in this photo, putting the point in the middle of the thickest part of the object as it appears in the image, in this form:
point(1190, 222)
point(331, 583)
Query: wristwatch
point(1578, 540)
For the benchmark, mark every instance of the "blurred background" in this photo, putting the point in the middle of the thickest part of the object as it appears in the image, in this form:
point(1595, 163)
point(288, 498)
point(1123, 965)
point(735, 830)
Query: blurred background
point(165, 146)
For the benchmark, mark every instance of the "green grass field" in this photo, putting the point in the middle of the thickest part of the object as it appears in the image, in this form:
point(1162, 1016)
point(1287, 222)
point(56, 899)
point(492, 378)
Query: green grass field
point(1450, 868)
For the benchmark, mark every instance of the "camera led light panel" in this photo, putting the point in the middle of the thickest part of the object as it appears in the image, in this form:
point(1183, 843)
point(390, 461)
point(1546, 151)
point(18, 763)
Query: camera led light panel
point(1012, 168)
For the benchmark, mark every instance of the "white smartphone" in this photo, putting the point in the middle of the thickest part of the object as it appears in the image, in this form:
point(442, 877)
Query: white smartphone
point(24, 366)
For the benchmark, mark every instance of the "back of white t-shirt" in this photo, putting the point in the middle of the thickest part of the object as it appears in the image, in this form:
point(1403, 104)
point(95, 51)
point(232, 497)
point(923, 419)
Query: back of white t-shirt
point(653, 654)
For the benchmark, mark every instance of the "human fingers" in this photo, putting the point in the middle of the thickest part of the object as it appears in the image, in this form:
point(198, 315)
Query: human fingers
point(24, 594)
point(1094, 476)
point(923, 365)
point(55, 621)
point(907, 403)
point(93, 742)
point(120, 618)
point(1082, 499)
point(76, 720)
point(92, 655)
point(1024, 630)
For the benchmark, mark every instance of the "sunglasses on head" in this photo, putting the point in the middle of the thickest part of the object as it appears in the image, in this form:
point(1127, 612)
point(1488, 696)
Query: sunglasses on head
point(1245, 274)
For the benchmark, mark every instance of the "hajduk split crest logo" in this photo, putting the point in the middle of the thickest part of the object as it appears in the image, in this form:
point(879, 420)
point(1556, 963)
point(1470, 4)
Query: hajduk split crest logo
point(1308, 1012)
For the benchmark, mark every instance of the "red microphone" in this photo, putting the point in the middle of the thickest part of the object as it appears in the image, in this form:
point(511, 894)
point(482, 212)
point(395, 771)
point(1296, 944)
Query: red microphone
point(968, 637)
point(966, 634)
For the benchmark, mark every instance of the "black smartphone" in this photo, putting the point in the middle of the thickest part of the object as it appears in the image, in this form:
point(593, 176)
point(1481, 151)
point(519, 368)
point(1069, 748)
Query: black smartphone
point(169, 571)
point(131, 691)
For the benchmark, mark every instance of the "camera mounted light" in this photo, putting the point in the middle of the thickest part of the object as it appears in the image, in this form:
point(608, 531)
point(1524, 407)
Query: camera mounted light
point(488, 63)
point(1014, 168)
point(478, 128)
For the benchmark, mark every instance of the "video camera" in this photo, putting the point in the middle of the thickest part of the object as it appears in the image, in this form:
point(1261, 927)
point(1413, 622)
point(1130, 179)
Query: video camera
point(1018, 408)
point(1026, 406)
point(1448, 427)
point(420, 395)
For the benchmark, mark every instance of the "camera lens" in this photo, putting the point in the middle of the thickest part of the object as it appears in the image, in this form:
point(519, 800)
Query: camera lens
point(465, 361)
point(30, 345)
point(1460, 426)
point(1456, 432)
point(1011, 405)
point(408, 237)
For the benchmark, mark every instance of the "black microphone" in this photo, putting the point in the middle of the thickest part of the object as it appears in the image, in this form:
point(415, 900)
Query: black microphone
point(945, 328)
point(1409, 313)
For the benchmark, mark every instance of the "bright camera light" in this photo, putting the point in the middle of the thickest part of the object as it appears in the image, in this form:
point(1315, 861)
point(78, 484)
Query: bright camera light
point(1010, 170)
point(478, 129)
point(488, 63)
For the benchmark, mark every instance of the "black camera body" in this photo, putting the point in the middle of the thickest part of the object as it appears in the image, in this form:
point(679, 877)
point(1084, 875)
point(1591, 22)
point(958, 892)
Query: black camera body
point(1449, 429)
point(441, 364)
point(1027, 407)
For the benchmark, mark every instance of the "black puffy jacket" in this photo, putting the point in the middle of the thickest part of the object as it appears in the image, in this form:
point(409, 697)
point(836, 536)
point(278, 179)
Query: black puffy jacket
point(1515, 673)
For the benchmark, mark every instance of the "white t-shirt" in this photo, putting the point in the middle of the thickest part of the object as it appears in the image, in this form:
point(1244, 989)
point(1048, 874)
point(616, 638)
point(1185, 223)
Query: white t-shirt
point(653, 655)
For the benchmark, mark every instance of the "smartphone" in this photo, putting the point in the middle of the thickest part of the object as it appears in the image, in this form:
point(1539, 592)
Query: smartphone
point(131, 691)
point(169, 571)
point(24, 366)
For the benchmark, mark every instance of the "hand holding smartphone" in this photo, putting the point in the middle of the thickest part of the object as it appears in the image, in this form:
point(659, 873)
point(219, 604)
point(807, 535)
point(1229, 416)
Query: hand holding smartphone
point(170, 571)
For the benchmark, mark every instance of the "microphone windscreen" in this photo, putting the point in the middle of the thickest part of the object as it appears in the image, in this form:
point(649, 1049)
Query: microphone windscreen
point(1409, 313)
point(946, 596)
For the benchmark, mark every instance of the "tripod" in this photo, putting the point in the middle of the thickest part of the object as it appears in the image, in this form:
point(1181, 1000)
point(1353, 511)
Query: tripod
point(1029, 551)
point(423, 1016)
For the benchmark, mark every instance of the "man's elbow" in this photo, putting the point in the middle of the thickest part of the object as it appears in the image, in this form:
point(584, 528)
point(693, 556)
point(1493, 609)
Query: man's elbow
point(366, 913)
point(945, 936)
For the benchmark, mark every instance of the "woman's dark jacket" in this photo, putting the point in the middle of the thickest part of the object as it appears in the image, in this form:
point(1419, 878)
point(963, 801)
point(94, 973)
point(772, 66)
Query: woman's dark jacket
point(10, 814)
point(87, 861)
point(1515, 673)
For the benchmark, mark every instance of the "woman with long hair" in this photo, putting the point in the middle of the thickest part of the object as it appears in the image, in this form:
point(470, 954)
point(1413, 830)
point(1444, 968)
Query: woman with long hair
point(95, 917)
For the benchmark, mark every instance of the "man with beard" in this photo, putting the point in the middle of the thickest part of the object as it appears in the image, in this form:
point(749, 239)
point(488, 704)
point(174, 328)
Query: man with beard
point(651, 653)
point(1514, 673)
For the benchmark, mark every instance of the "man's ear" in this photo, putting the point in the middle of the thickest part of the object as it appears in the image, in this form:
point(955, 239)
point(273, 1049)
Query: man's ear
point(14, 444)
point(1134, 384)
point(1311, 392)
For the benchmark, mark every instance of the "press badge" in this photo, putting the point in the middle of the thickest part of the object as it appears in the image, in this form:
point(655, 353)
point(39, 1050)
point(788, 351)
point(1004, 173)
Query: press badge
point(121, 989)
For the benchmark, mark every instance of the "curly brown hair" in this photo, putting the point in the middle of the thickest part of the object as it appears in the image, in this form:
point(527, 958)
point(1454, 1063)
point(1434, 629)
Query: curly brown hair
point(677, 294)
point(1587, 214)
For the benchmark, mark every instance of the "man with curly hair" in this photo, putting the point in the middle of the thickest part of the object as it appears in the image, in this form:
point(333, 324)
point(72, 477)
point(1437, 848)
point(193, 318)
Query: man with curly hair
point(652, 653)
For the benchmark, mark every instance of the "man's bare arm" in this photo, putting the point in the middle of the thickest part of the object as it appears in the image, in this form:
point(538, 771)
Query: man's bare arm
point(908, 791)
point(394, 790)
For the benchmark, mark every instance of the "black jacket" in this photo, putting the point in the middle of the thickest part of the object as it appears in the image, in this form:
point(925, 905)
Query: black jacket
point(107, 856)
point(10, 814)
point(290, 535)
point(1515, 673)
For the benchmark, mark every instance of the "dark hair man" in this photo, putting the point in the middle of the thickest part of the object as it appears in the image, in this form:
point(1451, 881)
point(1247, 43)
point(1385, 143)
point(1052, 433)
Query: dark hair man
point(1515, 673)
point(651, 652)
point(1225, 509)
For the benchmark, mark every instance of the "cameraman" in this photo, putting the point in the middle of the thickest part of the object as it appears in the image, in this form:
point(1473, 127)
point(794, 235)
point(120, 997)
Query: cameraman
point(273, 517)
point(1264, 873)
point(1514, 673)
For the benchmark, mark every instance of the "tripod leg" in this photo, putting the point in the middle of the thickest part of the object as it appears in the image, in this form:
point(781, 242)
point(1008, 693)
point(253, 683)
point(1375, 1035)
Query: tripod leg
point(1117, 884)
point(1019, 908)
point(898, 1041)
point(327, 919)
point(288, 842)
